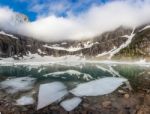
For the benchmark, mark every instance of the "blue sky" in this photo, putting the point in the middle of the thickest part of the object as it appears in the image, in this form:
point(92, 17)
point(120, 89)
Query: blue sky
point(34, 8)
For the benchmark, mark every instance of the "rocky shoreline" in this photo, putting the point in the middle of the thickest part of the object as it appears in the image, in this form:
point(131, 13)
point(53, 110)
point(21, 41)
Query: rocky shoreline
point(122, 101)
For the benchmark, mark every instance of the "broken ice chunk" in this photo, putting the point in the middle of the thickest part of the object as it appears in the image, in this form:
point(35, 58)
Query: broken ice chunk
point(98, 87)
point(25, 100)
point(49, 93)
point(17, 84)
point(71, 104)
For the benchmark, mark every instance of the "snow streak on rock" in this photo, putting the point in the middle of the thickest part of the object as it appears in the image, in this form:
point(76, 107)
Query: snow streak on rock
point(129, 40)
point(10, 35)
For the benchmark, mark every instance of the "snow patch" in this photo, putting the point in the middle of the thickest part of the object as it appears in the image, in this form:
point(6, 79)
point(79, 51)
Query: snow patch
point(10, 35)
point(146, 27)
point(40, 51)
point(62, 48)
point(106, 52)
point(71, 49)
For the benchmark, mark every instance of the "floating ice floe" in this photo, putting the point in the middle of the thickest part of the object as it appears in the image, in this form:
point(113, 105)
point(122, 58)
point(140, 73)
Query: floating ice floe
point(17, 84)
point(71, 104)
point(50, 93)
point(25, 100)
point(70, 72)
point(98, 87)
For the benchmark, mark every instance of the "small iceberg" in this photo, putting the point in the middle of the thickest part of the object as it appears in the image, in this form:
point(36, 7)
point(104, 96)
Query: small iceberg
point(17, 84)
point(98, 87)
point(25, 100)
point(71, 104)
point(50, 93)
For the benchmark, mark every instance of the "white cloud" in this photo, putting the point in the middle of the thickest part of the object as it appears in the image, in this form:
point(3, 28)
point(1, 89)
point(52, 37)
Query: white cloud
point(96, 20)
point(5, 16)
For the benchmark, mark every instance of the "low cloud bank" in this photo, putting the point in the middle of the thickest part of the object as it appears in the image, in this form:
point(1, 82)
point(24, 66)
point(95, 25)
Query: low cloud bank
point(96, 20)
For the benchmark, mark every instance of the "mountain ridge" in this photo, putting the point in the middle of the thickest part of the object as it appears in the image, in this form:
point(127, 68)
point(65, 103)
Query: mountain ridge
point(109, 45)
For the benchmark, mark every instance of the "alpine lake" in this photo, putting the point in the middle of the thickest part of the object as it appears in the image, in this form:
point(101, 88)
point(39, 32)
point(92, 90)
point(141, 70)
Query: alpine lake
point(124, 98)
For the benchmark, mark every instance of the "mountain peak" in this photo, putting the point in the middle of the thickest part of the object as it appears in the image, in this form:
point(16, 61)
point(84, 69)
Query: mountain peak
point(19, 18)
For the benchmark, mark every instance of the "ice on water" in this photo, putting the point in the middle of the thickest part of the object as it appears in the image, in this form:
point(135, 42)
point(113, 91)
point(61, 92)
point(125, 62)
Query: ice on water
point(71, 104)
point(98, 87)
point(17, 84)
point(50, 93)
point(25, 100)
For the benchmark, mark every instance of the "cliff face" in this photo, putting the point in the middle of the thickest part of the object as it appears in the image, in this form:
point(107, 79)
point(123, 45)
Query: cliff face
point(11, 44)
point(140, 45)
point(8, 46)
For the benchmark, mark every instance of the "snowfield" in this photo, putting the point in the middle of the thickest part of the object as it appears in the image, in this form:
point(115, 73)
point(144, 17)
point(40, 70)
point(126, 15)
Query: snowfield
point(36, 59)
point(69, 60)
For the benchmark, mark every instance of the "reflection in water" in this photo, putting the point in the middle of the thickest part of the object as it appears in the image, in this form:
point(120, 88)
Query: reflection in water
point(74, 73)
point(98, 79)
point(109, 69)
